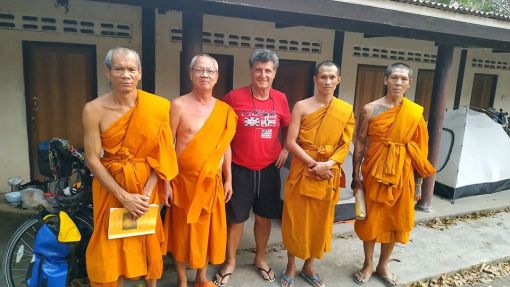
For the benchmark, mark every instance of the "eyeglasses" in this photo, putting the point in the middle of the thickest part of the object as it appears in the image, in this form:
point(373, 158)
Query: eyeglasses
point(201, 71)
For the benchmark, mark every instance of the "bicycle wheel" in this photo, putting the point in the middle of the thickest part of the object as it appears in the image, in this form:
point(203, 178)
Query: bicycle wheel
point(19, 252)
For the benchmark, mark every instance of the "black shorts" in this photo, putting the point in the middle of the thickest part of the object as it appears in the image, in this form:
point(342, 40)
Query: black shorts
point(258, 189)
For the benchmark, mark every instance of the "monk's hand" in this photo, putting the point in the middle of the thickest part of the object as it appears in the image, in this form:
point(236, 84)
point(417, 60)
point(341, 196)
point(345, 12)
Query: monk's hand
point(168, 193)
point(227, 187)
point(284, 153)
point(356, 185)
point(417, 192)
point(322, 169)
point(418, 181)
point(136, 204)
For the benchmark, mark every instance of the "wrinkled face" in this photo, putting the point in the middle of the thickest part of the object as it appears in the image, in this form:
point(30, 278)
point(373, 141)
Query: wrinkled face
point(327, 80)
point(398, 82)
point(262, 74)
point(204, 74)
point(125, 72)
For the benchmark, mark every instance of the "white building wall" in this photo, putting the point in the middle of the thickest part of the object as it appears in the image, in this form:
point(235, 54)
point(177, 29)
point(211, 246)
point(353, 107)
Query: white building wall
point(350, 63)
point(14, 140)
point(502, 97)
point(13, 123)
point(167, 52)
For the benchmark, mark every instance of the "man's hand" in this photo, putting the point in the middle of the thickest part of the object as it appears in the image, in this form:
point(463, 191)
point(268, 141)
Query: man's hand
point(356, 185)
point(227, 187)
point(168, 193)
point(321, 169)
point(136, 204)
point(284, 153)
point(417, 192)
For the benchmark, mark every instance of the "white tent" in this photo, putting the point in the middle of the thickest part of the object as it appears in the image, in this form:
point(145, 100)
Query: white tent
point(474, 156)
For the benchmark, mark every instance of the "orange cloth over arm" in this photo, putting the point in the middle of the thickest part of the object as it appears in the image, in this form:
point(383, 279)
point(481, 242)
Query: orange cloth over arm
point(134, 146)
point(308, 207)
point(397, 142)
point(196, 223)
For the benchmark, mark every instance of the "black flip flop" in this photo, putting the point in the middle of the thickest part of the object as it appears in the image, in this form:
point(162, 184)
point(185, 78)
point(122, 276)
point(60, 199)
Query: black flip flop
point(268, 273)
point(222, 277)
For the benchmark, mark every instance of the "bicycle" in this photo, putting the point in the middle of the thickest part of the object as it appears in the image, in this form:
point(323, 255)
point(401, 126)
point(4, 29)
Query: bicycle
point(18, 252)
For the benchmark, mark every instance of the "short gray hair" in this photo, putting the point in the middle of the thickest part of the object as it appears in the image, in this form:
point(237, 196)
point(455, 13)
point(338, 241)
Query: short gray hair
point(264, 55)
point(120, 50)
point(389, 69)
point(195, 59)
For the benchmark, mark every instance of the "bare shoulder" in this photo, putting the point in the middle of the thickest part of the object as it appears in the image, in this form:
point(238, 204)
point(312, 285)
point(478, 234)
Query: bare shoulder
point(300, 107)
point(179, 103)
point(375, 108)
point(95, 107)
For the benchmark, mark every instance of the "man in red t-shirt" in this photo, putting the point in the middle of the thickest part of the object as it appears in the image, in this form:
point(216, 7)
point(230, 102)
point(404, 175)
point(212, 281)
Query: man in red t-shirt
point(257, 156)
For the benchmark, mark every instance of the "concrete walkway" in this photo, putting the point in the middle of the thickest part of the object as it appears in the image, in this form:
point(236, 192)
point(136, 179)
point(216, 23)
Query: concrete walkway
point(429, 253)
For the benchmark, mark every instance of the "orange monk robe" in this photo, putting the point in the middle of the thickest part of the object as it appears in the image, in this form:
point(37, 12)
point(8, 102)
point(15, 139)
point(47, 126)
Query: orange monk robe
point(136, 144)
point(309, 204)
point(196, 223)
point(397, 148)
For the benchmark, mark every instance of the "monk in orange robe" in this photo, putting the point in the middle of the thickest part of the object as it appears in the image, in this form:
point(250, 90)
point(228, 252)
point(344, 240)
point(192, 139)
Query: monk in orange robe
point(391, 140)
point(203, 127)
point(131, 130)
point(318, 138)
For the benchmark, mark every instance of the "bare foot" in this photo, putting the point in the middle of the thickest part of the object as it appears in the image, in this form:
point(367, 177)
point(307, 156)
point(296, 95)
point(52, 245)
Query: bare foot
point(389, 278)
point(287, 280)
point(264, 271)
point(223, 275)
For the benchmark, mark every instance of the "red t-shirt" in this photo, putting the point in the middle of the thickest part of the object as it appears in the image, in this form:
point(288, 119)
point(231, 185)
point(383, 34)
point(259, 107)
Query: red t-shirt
point(256, 143)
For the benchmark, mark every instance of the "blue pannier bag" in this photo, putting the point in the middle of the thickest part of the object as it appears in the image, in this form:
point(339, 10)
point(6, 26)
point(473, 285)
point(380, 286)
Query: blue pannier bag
point(53, 262)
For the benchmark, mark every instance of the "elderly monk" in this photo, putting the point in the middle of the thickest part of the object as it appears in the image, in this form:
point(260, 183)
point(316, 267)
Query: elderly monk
point(129, 149)
point(203, 128)
point(391, 141)
point(318, 138)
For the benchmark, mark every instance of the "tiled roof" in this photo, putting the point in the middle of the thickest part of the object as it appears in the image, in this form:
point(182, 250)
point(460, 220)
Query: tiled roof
point(456, 8)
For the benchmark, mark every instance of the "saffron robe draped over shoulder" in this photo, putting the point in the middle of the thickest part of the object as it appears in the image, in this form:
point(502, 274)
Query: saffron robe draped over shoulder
point(397, 148)
point(308, 205)
point(196, 222)
point(136, 144)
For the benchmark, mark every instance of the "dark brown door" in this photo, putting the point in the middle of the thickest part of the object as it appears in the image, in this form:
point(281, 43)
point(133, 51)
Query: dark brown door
point(295, 79)
point(225, 79)
point(424, 84)
point(484, 90)
point(369, 85)
point(59, 80)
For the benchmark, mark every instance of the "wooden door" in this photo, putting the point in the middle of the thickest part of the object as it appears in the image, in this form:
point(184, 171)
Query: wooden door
point(295, 79)
point(225, 78)
point(423, 95)
point(484, 90)
point(369, 86)
point(59, 80)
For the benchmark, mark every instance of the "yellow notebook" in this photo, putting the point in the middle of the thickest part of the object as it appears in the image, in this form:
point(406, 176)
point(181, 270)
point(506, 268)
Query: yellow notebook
point(122, 225)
